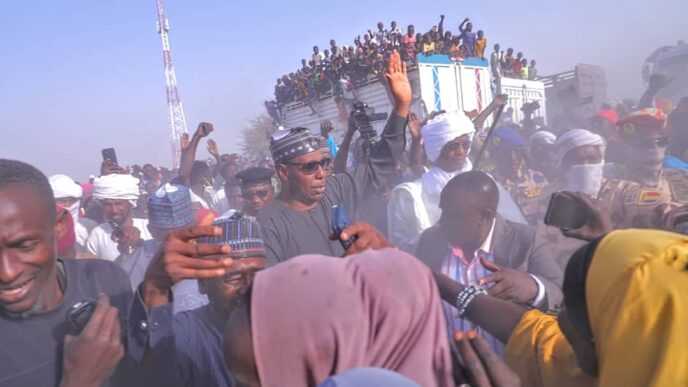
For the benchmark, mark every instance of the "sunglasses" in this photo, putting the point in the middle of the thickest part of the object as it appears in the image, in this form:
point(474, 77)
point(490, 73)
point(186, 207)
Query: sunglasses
point(261, 194)
point(313, 166)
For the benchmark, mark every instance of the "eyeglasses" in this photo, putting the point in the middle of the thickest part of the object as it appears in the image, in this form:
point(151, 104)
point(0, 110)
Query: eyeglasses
point(261, 194)
point(312, 167)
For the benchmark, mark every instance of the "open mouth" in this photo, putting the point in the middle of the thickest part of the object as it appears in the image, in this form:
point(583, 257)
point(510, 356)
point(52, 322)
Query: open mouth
point(234, 278)
point(16, 292)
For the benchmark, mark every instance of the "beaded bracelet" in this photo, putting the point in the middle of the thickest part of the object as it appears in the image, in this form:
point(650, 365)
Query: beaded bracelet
point(466, 296)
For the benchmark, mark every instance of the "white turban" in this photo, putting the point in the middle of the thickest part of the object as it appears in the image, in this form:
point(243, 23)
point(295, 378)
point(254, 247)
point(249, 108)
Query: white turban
point(542, 137)
point(573, 139)
point(444, 128)
point(64, 187)
point(117, 187)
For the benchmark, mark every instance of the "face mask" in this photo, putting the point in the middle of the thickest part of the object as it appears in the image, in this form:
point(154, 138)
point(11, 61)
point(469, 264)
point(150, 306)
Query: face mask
point(586, 178)
point(74, 210)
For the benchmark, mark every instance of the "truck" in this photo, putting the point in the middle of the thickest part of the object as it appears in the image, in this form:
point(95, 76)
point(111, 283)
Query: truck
point(438, 83)
point(574, 96)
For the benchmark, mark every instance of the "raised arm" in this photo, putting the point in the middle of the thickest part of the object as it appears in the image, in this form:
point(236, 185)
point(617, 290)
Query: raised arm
point(440, 27)
point(392, 140)
point(189, 147)
point(380, 168)
point(342, 157)
point(462, 26)
point(416, 155)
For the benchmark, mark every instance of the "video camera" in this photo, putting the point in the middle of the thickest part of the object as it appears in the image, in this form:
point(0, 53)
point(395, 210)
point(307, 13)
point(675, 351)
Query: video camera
point(361, 118)
point(530, 107)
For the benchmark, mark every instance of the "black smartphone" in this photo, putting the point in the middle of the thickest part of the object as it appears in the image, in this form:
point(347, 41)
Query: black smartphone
point(565, 212)
point(110, 154)
point(340, 221)
point(79, 314)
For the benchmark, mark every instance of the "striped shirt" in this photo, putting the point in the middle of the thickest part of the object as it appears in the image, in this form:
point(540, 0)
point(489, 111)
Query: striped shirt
point(468, 272)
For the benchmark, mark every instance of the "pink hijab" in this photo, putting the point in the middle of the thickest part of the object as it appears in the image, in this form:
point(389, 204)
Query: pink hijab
point(315, 316)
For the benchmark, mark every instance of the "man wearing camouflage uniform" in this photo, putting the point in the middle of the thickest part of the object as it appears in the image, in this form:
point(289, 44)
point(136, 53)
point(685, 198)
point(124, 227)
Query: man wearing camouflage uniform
point(645, 190)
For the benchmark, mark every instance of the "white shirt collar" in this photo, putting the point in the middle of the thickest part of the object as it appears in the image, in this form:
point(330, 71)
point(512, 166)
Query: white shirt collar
point(487, 244)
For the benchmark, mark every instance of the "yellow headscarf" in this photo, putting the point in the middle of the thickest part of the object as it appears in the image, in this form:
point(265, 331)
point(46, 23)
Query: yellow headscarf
point(637, 300)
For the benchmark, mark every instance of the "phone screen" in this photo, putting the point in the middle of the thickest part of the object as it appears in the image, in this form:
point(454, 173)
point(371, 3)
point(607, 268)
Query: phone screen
point(565, 213)
point(109, 154)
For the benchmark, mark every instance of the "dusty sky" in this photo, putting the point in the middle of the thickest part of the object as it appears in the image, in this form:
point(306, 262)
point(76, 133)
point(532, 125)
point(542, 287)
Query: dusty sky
point(80, 75)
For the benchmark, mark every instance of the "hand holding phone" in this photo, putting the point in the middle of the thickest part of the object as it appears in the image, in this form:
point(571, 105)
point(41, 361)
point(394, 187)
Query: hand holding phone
point(578, 216)
point(340, 221)
point(79, 315)
point(110, 154)
point(565, 212)
point(90, 357)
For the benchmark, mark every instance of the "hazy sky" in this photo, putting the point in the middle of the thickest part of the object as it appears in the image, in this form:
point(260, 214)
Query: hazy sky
point(80, 75)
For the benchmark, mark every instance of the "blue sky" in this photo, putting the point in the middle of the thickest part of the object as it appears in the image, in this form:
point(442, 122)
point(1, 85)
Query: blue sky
point(80, 75)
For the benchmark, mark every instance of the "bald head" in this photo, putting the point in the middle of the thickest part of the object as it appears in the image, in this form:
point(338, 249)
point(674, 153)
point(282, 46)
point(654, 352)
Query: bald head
point(472, 182)
point(469, 207)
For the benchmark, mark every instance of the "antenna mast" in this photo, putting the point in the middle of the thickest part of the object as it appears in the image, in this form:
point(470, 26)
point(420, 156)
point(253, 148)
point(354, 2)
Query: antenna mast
point(174, 103)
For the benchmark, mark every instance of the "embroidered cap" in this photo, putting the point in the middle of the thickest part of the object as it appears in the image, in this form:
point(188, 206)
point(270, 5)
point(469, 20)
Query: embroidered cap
point(170, 207)
point(287, 144)
point(242, 233)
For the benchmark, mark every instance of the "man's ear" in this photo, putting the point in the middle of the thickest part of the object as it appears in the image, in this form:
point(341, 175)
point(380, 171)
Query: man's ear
point(282, 172)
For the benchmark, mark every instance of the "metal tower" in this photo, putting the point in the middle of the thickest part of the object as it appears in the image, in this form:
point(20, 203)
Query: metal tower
point(174, 104)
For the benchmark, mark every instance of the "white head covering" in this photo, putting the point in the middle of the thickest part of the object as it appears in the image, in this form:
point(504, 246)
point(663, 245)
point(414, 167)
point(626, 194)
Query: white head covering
point(574, 139)
point(65, 187)
point(116, 186)
point(444, 128)
point(542, 137)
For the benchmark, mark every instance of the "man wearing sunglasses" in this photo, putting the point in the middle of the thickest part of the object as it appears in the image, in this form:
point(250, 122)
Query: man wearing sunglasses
point(256, 189)
point(646, 190)
point(299, 220)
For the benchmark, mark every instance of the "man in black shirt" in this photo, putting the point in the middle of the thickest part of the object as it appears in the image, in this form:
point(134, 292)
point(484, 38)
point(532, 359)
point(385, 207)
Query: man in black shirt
point(37, 290)
point(298, 221)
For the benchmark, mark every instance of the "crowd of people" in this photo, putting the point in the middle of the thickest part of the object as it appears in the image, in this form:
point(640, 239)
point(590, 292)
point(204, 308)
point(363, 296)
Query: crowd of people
point(437, 262)
point(340, 68)
point(505, 64)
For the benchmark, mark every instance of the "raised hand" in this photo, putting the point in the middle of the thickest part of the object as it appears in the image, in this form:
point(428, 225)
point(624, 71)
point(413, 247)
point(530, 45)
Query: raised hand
point(509, 284)
point(90, 358)
point(183, 258)
point(415, 125)
point(483, 366)
point(204, 129)
point(399, 84)
point(213, 149)
point(108, 167)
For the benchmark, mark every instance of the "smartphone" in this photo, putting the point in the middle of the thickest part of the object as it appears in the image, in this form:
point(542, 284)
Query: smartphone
point(565, 212)
point(340, 221)
point(109, 154)
point(79, 314)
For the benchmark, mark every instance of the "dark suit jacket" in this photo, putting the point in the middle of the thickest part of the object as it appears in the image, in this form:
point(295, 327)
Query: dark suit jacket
point(515, 246)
